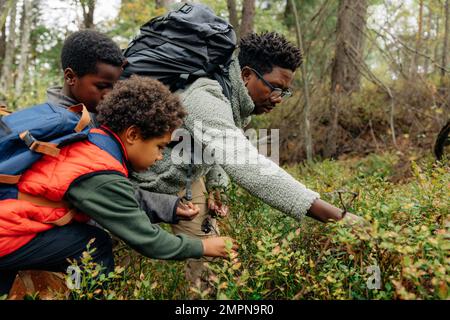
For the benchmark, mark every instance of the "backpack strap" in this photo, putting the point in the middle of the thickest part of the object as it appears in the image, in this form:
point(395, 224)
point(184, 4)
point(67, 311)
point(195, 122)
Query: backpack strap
point(47, 148)
point(43, 202)
point(85, 117)
point(3, 110)
point(8, 179)
point(52, 149)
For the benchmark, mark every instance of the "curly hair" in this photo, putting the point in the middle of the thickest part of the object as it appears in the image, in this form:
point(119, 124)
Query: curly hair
point(266, 50)
point(82, 51)
point(143, 102)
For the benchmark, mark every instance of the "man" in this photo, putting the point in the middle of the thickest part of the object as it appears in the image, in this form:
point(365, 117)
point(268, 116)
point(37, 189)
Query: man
point(260, 80)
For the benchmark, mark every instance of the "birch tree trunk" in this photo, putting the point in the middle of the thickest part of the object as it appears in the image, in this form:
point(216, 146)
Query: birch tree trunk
point(426, 66)
point(6, 74)
point(5, 6)
point(415, 62)
point(446, 35)
point(24, 45)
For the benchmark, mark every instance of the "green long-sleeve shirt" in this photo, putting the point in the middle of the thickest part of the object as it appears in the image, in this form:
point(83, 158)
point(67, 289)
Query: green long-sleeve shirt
point(109, 200)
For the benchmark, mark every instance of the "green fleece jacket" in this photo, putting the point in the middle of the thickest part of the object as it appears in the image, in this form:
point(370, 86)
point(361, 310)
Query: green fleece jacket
point(206, 103)
point(110, 200)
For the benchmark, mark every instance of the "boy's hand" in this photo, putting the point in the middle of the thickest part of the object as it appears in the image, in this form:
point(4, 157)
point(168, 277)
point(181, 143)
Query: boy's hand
point(219, 247)
point(187, 210)
point(216, 203)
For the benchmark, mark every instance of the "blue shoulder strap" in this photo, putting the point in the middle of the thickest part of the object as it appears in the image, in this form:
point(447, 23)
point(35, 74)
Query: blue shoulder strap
point(108, 144)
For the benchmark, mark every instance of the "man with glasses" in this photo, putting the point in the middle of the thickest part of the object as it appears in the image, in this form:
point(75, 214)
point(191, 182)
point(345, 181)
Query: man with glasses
point(260, 77)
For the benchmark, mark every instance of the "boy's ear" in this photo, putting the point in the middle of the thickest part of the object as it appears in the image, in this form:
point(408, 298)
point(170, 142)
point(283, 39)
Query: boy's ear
point(69, 76)
point(133, 134)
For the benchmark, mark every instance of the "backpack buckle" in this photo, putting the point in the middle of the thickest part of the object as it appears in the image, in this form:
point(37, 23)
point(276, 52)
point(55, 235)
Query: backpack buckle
point(47, 148)
point(28, 138)
point(186, 8)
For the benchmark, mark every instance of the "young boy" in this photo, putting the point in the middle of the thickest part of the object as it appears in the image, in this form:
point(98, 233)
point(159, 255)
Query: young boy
point(92, 63)
point(136, 121)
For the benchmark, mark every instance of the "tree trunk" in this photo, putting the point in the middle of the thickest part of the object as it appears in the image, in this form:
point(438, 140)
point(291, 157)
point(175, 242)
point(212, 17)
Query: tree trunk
point(446, 34)
point(307, 108)
point(345, 76)
point(426, 66)
point(88, 7)
point(3, 14)
point(24, 45)
point(415, 62)
point(248, 17)
point(6, 74)
point(349, 45)
point(232, 10)
point(5, 6)
point(2, 45)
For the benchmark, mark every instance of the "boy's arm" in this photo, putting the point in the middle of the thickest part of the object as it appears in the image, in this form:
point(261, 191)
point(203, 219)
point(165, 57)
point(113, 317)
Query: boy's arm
point(159, 207)
point(109, 199)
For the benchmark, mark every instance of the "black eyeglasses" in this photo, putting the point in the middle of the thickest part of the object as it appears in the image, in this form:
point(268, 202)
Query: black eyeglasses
point(276, 92)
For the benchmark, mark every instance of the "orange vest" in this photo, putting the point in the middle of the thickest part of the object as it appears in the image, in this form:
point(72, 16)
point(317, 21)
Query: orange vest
point(40, 205)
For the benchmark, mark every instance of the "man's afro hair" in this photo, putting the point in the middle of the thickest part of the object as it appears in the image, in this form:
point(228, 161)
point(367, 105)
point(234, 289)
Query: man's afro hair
point(266, 50)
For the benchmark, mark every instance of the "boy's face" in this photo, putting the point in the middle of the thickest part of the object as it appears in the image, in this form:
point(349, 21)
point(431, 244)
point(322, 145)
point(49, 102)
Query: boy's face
point(92, 87)
point(143, 153)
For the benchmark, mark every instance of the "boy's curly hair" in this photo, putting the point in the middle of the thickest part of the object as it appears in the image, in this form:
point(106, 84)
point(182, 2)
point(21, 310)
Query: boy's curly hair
point(143, 102)
point(82, 51)
point(266, 50)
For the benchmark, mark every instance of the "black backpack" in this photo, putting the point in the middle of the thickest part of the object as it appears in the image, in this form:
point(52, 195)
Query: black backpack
point(181, 46)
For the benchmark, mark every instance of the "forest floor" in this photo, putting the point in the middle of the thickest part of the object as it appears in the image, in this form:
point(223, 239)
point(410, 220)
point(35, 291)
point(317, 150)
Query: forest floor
point(403, 254)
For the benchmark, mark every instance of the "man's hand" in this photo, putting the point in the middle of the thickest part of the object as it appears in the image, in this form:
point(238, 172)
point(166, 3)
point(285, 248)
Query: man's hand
point(216, 203)
point(354, 220)
point(187, 211)
point(325, 212)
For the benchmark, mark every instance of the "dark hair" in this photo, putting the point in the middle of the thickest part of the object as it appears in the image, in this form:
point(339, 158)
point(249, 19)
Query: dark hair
point(83, 49)
point(266, 50)
point(143, 102)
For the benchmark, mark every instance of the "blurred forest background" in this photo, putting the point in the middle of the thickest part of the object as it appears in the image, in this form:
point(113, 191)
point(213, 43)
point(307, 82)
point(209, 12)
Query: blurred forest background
point(375, 76)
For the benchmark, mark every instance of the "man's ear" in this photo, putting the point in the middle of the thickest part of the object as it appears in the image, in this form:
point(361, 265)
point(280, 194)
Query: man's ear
point(246, 73)
point(69, 76)
point(133, 134)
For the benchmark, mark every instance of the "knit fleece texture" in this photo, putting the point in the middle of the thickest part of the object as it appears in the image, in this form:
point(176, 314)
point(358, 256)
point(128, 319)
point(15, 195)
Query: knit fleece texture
point(262, 178)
